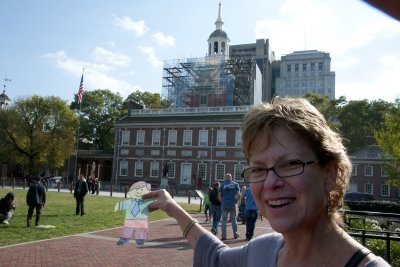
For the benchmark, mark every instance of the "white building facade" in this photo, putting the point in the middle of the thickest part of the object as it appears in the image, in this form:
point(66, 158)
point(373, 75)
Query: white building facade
point(304, 72)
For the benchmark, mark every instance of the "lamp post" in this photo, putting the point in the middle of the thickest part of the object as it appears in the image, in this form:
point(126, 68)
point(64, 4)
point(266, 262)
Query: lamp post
point(211, 155)
point(198, 172)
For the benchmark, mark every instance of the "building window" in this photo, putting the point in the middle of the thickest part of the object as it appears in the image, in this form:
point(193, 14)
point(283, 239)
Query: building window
point(140, 137)
point(171, 170)
point(237, 172)
point(368, 189)
point(368, 170)
point(320, 65)
point(296, 67)
point(203, 100)
point(125, 138)
point(238, 137)
point(304, 67)
point(384, 171)
point(221, 137)
point(202, 170)
point(154, 167)
point(203, 138)
point(385, 190)
point(172, 137)
point(156, 136)
point(187, 137)
point(354, 170)
point(312, 66)
point(123, 168)
point(219, 171)
point(289, 68)
point(139, 168)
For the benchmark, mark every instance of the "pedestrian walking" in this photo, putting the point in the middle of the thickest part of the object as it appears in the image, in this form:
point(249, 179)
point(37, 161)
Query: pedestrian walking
point(81, 189)
point(35, 199)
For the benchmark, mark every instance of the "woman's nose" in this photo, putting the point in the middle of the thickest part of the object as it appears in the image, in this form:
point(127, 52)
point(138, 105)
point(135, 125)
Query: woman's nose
point(272, 180)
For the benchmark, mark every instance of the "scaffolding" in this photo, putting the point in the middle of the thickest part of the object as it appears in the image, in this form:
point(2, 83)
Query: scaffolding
point(208, 82)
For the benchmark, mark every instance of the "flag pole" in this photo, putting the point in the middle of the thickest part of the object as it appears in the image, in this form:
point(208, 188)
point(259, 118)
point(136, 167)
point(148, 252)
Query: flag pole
point(79, 98)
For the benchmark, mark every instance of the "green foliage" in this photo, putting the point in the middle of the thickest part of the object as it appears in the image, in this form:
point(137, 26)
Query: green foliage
point(388, 138)
point(359, 119)
point(328, 108)
point(378, 247)
point(60, 212)
point(148, 100)
point(38, 131)
point(100, 109)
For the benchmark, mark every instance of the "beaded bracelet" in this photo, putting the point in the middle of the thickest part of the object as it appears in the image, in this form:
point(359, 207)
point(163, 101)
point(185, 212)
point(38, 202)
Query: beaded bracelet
point(188, 227)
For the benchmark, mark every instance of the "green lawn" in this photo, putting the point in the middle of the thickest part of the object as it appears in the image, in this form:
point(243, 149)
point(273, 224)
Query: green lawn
point(60, 212)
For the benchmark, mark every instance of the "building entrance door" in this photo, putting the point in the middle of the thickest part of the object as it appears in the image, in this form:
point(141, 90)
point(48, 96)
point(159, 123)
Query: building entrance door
point(186, 173)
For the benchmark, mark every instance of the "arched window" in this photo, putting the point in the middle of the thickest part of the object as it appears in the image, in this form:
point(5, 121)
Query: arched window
point(223, 48)
point(215, 47)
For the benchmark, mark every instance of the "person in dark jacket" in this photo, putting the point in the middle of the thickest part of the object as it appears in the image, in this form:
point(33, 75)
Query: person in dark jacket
point(35, 199)
point(215, 208)
point(6, 207)
point(81, 189)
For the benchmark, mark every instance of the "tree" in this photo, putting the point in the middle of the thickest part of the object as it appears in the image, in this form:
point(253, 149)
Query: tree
point(148, 100)
point(388, 138)
point(99, 110)
point(39, 131)
point(329, 108)
point(359, 119)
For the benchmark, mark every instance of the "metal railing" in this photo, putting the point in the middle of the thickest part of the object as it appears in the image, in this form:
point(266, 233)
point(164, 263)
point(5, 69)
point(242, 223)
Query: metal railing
point(365, 234)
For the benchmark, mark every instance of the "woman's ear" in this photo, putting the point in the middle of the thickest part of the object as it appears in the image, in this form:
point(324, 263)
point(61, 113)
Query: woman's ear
point(330, 176)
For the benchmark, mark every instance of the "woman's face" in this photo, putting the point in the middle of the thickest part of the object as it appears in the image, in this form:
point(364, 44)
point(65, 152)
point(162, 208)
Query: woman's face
point(295, 202)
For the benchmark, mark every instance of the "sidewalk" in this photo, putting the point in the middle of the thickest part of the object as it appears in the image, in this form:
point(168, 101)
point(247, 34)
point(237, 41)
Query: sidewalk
point(165, 247)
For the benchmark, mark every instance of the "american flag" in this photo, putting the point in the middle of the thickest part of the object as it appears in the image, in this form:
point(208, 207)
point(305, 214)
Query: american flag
point(80, 92)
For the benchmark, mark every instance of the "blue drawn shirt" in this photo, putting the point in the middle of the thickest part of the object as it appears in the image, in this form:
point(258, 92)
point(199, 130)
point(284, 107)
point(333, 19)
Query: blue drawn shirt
point(129, 204)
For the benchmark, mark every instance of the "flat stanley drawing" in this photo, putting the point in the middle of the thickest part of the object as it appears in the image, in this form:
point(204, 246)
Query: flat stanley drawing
point(136, 215)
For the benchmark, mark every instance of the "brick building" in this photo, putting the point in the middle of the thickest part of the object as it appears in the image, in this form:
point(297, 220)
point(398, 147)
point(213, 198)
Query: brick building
point(369, 173)
point(191, 146)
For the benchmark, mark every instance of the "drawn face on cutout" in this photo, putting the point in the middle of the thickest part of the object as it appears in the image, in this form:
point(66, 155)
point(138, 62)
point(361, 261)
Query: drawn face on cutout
point(138, 192)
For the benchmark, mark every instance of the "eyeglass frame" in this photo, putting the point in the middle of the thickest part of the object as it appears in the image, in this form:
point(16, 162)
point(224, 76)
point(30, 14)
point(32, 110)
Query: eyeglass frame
point(273, 169)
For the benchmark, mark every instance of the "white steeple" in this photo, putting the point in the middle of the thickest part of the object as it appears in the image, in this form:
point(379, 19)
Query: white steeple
point(218, 42)
point(219, 22)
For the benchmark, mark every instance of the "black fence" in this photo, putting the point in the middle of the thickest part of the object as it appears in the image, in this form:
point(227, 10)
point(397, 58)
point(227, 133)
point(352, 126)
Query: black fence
point(364, 234)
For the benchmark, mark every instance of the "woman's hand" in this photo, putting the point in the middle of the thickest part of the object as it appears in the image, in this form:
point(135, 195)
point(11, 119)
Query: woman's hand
point(162, 201)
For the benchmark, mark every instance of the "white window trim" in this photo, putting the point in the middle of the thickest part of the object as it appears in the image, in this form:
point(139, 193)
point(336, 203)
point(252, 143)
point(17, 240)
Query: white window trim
point(140, 136)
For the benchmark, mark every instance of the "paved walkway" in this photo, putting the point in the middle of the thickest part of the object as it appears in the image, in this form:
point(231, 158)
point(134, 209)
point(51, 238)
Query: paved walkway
point(165, 246)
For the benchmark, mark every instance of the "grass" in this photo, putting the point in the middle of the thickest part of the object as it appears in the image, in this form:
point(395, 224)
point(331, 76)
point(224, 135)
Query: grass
point(60, 212)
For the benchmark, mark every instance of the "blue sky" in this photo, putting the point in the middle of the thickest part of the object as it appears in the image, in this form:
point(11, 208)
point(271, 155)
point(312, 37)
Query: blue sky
point(44, 44)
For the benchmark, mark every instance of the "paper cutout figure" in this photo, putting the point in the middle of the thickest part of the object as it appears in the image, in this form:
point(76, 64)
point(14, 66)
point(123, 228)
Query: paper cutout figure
point(136, 215)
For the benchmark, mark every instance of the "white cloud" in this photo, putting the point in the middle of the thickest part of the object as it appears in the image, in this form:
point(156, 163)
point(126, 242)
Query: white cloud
point(126, 23)
point(345, 63)
point(151, 57)
point(301, 23)
point(117, 59)
point(162, 39)
point(382, 85)
point(97, 76)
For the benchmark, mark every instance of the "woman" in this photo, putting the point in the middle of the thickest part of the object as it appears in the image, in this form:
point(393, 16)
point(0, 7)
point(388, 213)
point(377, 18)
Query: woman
point(298, 173)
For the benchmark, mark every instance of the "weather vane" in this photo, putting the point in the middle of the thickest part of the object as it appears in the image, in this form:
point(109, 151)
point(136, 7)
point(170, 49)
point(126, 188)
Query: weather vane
point(5, 82)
